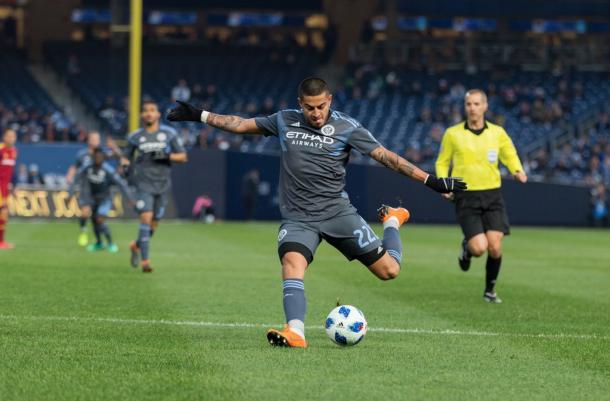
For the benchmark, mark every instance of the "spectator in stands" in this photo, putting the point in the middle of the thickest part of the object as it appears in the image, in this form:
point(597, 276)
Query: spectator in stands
point(34, 176)
point(539, 165)
point(249, 192)
point(603, 125)
point(73, 66)
point(268, 107)
point(599, 206)
point(108, 111)
point(21, 178)
point(197, 94)
point(181, 92)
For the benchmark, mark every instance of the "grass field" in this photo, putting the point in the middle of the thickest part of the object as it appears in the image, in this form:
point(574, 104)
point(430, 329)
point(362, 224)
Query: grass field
point(81, 326)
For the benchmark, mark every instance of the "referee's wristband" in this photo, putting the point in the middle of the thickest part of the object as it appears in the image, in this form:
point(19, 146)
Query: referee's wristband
point(204, 116)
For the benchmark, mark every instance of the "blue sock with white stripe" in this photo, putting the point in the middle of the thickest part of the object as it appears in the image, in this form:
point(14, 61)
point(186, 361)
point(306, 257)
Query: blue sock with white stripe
point(391, 239)
point(295, 304)
point(143, 240)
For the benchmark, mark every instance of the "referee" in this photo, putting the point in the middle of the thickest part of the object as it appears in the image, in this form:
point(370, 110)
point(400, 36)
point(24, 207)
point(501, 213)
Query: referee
point(474, 147)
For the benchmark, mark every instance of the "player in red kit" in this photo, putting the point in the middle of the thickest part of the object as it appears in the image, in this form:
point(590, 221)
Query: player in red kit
point(8, 156)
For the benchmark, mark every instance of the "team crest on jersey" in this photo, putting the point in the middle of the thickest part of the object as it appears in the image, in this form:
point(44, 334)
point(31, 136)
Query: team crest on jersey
point(161, 136)
point(142, 139)
point(492, 156)
point(282, 234)
point(328, 130)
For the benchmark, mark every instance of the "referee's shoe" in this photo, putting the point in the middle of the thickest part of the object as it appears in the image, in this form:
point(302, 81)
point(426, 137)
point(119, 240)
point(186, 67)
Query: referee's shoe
point(465, 256)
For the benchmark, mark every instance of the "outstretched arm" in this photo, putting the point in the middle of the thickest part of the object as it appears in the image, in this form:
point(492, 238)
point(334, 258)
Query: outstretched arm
point(399, 164)
point(234, 124)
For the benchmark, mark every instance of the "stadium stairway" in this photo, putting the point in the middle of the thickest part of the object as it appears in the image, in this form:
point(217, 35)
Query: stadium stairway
point(63, 96)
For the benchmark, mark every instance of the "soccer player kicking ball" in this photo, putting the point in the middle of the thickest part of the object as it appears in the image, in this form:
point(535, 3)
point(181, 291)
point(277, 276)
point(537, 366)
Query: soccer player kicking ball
point(151, 150)
point(475, 147)
point(316, 142)
point(93, 181)
point(8, 157)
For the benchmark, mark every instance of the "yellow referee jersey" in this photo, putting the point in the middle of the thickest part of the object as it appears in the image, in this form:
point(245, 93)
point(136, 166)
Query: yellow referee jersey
point(475, 156)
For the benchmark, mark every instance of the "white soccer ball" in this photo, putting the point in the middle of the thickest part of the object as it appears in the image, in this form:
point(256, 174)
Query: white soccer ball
point(346, 325)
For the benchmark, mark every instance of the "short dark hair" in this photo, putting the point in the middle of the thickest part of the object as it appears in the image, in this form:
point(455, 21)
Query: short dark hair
point(99, 151)
point(312, 86)
point(149, 101)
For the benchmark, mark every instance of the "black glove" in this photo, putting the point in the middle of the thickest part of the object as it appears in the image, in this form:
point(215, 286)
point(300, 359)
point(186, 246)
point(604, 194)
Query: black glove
point(184, 112)
point(445, 185)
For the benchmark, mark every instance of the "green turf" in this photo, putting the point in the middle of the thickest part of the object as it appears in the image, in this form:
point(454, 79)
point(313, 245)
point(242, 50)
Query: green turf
point(83, 326)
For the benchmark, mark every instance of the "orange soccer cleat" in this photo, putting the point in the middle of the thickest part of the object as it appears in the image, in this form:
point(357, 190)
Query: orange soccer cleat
point(401, 214)
point(286, 338)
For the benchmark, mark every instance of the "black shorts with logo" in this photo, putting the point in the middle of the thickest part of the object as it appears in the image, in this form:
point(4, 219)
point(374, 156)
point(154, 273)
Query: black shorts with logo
point(481, 211)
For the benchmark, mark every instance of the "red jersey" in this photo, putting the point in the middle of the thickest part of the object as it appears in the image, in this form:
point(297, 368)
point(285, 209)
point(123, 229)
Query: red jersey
point(8, 158)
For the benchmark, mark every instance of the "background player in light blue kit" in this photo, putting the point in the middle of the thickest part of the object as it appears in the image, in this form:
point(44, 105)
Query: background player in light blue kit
point(151, 150)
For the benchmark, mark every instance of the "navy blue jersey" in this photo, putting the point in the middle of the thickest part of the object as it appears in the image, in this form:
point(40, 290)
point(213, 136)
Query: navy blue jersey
point(96, 181)
point(149, 155)
point(312, 172)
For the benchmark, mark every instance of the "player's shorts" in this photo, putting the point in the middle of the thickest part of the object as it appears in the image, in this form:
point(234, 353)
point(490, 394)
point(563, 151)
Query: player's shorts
point(481, 211)
point(85, 199)
point(150, 202)
point(348, 232)
point(102, 207)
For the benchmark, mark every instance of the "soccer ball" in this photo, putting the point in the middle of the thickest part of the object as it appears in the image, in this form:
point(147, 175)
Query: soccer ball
point(346, 325)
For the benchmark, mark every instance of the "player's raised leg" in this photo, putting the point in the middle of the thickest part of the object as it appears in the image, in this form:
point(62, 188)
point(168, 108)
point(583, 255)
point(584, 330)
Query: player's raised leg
point(475, 246)
point(388, 266)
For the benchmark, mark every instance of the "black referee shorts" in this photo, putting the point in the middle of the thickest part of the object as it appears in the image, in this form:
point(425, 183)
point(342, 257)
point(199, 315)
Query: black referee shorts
point(481, 211)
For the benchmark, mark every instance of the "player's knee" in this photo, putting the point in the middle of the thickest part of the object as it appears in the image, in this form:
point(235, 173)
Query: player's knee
point(389, 271)
point(495, 250)
point(477, 248)
point(293, 264)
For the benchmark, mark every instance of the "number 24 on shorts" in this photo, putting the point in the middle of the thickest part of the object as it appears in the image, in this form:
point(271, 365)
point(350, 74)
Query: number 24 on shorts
point(361, 233)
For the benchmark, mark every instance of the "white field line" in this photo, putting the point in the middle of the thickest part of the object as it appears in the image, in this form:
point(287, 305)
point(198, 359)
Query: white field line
point(434, 332)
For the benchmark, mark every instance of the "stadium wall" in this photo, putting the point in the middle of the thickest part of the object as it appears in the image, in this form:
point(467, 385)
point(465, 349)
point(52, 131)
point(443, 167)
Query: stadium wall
point(220, 176)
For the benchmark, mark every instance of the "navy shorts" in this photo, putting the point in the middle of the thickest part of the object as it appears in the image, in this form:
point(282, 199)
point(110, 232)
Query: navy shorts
point(99, 206)
point(348, 232)
point(149, 202)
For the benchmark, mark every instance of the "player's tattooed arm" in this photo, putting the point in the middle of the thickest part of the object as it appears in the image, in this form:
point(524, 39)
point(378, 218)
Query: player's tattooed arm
point(399, 164)
point(234, 124)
